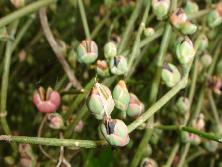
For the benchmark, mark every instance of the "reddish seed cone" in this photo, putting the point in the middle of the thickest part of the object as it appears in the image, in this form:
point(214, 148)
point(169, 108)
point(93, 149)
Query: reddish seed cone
point(46, 102)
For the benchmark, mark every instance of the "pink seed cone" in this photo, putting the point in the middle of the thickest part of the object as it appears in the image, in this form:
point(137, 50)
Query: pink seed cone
point(49, 105)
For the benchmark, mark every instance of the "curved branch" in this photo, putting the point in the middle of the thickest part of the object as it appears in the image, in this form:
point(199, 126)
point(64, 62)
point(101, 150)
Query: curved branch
point(56, 48)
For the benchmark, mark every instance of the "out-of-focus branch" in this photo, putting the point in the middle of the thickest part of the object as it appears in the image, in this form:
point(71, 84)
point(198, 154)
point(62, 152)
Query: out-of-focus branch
point(56, 48)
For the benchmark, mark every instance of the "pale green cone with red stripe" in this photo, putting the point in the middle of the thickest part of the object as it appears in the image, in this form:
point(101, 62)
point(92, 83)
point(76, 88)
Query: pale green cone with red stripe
point(135, 107)
point(118, 65)
point(100, 101)
point(115, 132)
point(121, 96)
point(87, 52)
point(170, 75)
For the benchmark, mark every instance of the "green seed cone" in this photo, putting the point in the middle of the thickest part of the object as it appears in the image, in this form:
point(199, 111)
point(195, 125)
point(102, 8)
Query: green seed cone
point(183, 105)
point(110, 50)
point(160, 8)
point(121, 96)
point(100, 101)
point(170, 75)
point(115, 132)
point(185, 51)
point(135, 107)
point(87, 52)
point(102, 68)
point(118, 65)
point(214, 19)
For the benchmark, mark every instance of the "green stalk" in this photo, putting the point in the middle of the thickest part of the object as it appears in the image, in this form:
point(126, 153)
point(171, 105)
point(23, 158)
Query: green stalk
point(24, 11)
point(172, 155)
point(98, 143)
point(199, 14)
point(100, 25)
point(84, 19)
point(136, 46)
point(159, 104)
point(202, 134)
point(130, 25)
point(22, 32)
point(214, 109)
point(53, 141)
point(5, 80)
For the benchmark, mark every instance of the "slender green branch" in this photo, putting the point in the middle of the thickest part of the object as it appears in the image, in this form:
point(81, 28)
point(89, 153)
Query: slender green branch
point(199, 14)
point(22, 32)
point(214, 109)
point(84, 19)
point(5, 80)
point(184, 154)
point(172, 155)
point(24, 11)
point(100, 25)
point(156, 106)
point(130, 25)
point(136, 46)
point(202, 134)
point(53, 141)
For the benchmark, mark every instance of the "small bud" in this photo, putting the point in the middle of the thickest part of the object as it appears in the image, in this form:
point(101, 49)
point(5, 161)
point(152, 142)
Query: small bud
point(185, 51)
point(202, 42)
point(183, 105)
point(135, 107)
point(147, 162)
point(18, 3)
point(199, 122)
point(178, 17)
point(206, 60)
point(211, 146)
point(170, 75)
point(79, 127)
point(9, 160)
point(191, 7)
point(149, 31)
point(102, 68)
point(4, 36)
point(22, 55)
point(215, 84)
point(118, 65)
point(214, 18)
point(188, 28)
point(87, 52)
point(190, 138)
point(46, 101)
point(110, 50)
point(115, 132)
point(55, 121)
point(100, 101)
point(160, 8)
point(121, 96)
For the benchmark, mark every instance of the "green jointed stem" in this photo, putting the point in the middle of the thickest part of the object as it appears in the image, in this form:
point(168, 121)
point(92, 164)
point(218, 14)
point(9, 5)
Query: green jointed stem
point(53, 141)
point(183, 155)
point(172, 155)
point(100, 25)
point(214, 109)
point(22, 32)
point(24, 11)
point(97, 143)
point(159, 104)
point(130, 25)
point(84, 19)
point(136, 46)
point(5, 80)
